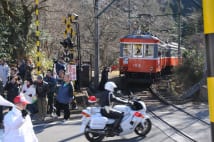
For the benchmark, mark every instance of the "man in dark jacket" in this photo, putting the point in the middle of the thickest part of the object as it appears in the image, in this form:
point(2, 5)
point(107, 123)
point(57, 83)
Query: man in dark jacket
point(64, 97)
point(104, 78)
point(52, 86)
point(12, 87)
point(41, 92)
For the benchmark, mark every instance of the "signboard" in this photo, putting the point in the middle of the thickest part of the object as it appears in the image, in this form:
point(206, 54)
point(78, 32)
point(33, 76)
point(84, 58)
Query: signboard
point(71, 69)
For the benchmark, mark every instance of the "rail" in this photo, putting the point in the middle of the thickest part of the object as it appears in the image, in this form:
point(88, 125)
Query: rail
point(174, 128)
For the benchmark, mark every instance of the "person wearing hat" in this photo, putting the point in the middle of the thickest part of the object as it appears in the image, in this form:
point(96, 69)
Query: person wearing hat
point(17, 123)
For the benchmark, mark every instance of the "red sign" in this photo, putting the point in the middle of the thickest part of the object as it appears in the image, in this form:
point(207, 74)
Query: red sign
point(71, 69)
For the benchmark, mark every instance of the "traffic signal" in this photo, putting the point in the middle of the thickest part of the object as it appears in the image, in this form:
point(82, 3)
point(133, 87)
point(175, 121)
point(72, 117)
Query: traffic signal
point(67, 55)
point(67, 43)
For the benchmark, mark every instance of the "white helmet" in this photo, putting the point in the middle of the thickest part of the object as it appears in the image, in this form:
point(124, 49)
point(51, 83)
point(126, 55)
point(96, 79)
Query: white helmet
point(110, 86)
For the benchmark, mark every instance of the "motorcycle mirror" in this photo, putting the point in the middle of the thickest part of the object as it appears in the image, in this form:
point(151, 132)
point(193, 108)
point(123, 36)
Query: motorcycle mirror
point(119, 92)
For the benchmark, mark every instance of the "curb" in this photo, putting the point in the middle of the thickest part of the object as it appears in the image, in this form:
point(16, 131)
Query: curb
point(81, 101)
point(75, 114)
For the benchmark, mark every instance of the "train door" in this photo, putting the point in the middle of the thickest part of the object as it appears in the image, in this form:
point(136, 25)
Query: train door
point(163, 55)
point(125, 54)
point(157, 56)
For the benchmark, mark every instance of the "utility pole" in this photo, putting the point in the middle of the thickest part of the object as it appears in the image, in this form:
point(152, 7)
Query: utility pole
point(38, 53)
point(179, 29)
point(129, 16)
point(96, 41)
point(208, 10)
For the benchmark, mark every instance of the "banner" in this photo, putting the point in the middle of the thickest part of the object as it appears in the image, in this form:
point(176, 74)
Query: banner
point(71, 69)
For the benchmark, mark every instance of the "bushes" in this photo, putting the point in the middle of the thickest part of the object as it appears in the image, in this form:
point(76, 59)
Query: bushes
point(192, 69)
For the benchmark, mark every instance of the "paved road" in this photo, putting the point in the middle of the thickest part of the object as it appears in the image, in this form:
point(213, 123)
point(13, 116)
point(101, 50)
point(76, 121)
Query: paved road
point(69, 132)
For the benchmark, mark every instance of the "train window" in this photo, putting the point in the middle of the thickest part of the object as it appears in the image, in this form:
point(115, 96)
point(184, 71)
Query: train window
point(148, 50)
point(137, 50)
point(174, 53)
point(127, 50)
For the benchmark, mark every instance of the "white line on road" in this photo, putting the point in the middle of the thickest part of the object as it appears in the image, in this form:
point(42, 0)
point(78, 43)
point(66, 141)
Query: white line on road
point(57, 122)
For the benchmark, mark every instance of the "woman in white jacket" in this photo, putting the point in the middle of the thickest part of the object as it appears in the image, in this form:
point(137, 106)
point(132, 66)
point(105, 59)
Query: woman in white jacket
point(17, 123)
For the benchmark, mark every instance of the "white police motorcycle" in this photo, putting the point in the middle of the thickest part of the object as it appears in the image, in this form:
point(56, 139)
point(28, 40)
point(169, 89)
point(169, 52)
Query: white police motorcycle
point(96, 127)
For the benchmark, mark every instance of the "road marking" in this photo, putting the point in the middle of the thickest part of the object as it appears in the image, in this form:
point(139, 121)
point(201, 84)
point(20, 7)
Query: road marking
point(57, 122)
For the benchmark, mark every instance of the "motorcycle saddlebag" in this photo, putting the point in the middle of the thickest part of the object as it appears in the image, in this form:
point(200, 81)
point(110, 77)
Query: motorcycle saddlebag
point(98, 122)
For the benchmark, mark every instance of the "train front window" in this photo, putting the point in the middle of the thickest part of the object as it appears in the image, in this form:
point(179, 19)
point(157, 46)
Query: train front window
point(148, 51)
point(127, 50)
point(137, 50)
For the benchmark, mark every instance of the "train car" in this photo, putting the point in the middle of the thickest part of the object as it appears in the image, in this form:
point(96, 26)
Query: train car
point(145, 57)
point(172, 59)
point(142, 57)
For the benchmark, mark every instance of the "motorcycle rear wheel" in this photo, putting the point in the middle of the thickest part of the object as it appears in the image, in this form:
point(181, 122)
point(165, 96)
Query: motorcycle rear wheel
point(93, 137)
point(143, 130)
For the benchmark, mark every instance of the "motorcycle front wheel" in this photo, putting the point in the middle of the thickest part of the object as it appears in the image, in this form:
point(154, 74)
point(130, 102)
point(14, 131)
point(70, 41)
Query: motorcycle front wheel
point(143, 130)
point(93, 137)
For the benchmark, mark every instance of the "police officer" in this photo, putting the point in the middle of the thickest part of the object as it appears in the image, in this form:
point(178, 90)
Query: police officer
point(106, 100)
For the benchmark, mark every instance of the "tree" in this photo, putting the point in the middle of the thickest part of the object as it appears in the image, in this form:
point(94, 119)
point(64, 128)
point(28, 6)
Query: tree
point(17, 34)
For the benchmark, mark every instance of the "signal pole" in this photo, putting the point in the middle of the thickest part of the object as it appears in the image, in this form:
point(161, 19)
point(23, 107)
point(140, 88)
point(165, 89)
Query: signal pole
point(208, 10)
point(38, 53)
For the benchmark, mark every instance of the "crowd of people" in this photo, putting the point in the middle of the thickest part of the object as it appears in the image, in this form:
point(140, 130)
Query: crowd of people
point(47, 94)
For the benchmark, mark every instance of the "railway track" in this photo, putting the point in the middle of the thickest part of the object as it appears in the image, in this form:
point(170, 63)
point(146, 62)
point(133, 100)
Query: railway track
point(181, 125)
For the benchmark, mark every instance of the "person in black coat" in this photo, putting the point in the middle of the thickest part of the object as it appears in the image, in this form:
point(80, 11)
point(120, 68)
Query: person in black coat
point(104, 78)
point(12, 87)
point(52, 86)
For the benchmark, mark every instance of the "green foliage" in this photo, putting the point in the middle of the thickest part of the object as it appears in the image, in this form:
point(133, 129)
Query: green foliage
point(46, 62)
point(17, 33)
point(15, 23)
point(192, 69)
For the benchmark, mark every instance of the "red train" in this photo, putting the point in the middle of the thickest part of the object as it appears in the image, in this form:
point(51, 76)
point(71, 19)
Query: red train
point(145, 57)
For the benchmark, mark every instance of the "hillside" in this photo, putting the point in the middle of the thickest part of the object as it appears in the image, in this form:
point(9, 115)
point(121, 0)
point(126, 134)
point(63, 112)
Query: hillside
point(114, 23)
